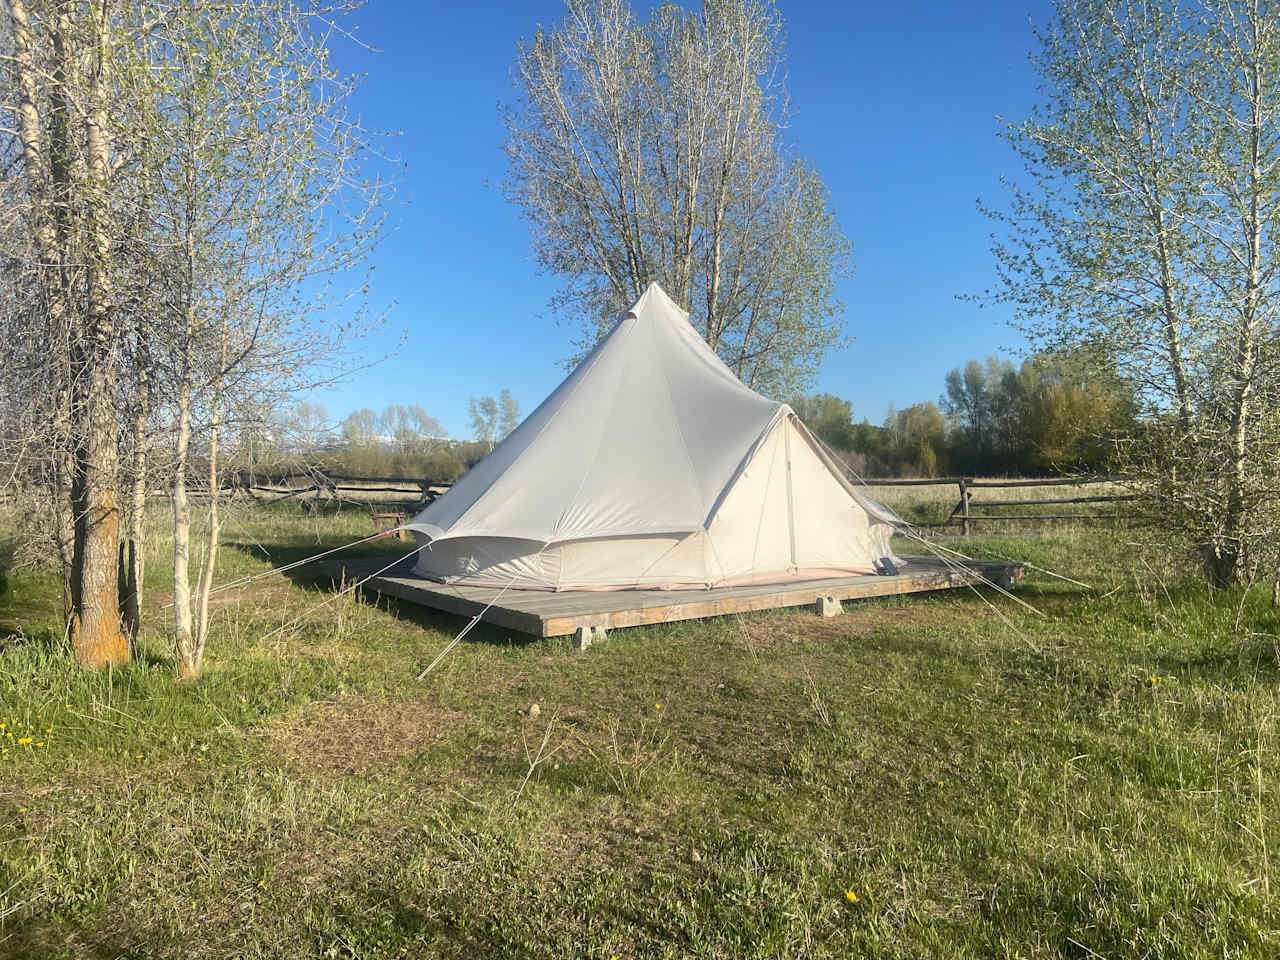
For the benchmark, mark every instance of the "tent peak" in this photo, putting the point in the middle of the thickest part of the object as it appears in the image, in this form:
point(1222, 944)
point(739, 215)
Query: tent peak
point(655, 297)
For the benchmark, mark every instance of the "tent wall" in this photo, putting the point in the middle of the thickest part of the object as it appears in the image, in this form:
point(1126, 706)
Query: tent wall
point(785, 516)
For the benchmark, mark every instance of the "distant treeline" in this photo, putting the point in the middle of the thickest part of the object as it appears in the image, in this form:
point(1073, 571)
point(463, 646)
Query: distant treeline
point(402, 441)
point(1042, 418)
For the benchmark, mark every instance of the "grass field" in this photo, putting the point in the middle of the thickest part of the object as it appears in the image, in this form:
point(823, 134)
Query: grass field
point(934, 776)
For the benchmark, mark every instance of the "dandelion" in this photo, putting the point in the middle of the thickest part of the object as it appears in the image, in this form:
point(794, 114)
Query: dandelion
point(138, 757)
point(851, 896)
point(39, 743)
point(22, 809)
point(48, 730)
point(23, 741)
point(657, 706)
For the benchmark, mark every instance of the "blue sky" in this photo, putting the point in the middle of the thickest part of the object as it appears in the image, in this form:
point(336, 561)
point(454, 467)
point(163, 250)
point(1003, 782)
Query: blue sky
point(896, 104)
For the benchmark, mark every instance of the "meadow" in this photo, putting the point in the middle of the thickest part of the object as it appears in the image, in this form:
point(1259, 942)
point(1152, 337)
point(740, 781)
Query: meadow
point(947, 775)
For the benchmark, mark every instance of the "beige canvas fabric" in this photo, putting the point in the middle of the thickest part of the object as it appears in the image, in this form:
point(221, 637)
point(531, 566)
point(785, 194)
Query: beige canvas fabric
point(652, 466)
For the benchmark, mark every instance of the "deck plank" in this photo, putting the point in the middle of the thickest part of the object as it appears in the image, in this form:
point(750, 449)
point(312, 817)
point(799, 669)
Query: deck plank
point(545, 613)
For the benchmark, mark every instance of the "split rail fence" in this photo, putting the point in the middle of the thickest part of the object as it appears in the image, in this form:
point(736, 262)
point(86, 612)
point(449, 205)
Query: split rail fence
point(313, 489)
point(964, 517)
point(974, 506)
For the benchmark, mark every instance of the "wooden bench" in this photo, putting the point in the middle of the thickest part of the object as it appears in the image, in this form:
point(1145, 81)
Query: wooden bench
point(389, 522)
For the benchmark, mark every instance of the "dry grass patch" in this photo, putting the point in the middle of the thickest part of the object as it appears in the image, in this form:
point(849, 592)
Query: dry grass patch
point(352, 736)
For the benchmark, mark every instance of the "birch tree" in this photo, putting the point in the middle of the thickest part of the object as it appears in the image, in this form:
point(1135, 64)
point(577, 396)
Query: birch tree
point(258, 195)
point(1143, 232)
point(184, 186)
point(59, 62)
point(653, 151)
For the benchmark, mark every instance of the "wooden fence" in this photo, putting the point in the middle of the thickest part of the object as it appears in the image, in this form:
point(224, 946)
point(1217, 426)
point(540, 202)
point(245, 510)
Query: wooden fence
point(316, 488)
point(962, 514)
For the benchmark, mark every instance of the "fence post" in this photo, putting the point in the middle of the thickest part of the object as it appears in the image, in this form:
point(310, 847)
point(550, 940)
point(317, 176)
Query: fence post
point(964, 506)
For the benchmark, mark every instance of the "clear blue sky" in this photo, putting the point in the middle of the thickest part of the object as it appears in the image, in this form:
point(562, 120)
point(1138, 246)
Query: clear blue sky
point(895, 103)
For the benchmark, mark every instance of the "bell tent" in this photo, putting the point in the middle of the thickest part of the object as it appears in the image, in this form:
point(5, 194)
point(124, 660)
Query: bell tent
point(653, 467)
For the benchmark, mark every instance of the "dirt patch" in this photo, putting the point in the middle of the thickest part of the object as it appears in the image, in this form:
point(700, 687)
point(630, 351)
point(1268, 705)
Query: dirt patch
point(357, 735)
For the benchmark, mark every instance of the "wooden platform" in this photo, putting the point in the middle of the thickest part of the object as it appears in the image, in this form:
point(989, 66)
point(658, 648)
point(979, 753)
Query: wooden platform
point(545, 613)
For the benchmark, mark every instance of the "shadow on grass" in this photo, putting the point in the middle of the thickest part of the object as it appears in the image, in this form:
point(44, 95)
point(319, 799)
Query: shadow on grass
point(318, 581)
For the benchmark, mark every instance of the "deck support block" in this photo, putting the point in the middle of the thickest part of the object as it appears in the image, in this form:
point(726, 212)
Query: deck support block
point(827, 607)
point(585, 636)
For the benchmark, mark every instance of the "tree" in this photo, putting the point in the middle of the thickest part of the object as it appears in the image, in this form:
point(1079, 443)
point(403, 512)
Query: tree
point(828, 416)
point(309, 426)
point(508, 414)
point(916, 438)
point(652, 151)
point(64, 146)
point(1145, 229)
point(189, 179)
point(361, 428)
point(981, 401)
point(484, 420)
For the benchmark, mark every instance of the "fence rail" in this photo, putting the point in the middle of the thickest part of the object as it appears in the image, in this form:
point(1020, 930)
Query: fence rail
point(311, 489)
point(962, 514)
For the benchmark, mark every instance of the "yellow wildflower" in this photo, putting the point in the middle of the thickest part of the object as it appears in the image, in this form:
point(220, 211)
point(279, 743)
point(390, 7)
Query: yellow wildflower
point(138, 757)
point(851, 896)
point(657, 706)
point(22, 741)
point(39, 743)
point(22, 809)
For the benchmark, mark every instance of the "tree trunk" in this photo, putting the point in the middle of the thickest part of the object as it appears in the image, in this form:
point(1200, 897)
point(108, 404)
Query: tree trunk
point(96, 633)
point(1227, 559)
point(215, 525)
point(47, 174)
point(134, 565)
point(183, 634)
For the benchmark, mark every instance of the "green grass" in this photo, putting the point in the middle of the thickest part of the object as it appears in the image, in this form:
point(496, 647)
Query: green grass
point(1101, 781)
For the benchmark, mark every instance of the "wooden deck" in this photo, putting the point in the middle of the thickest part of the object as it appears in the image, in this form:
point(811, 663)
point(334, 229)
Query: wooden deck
point(545, 613)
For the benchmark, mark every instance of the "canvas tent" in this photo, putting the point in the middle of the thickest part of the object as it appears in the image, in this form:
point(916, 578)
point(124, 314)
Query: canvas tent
point(652, 466)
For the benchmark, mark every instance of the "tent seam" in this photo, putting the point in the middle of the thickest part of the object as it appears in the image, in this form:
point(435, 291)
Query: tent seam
point(684, 444)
